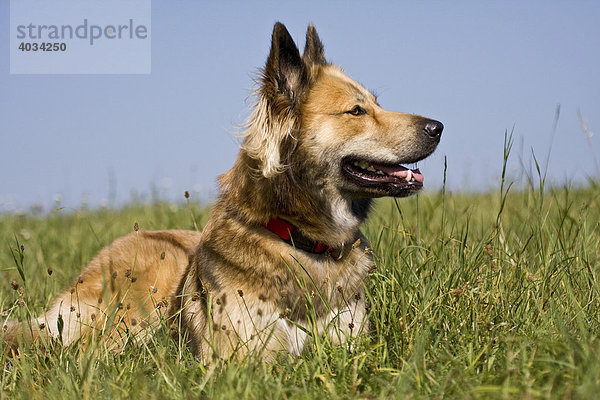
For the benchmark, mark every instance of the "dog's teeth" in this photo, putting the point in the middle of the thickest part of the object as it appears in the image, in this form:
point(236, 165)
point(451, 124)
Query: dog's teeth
point(361, 164)
point(371, 168)
point(378, 172)
point(408, 176)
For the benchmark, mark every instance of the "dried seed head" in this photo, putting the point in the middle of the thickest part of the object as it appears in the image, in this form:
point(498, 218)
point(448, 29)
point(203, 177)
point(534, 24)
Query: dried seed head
point(14, 284)
point(21, 303)
point(72, 308)
point(127, 273)
point(100, 300)
point(240, 292)
point(72, 290)
point(489, 251)
point(458, 291)
point(357, 296)
point(114, 275)
point(128, 306)
point(187, 194)
point(22, 248)
point(195, 297)
point(154, 289)
point(356, 244)
point(120, 306)
point(372, 269)
point(42, 325)
point(80, 280)
point(351, 325)
point(136, 226)
point(162, 255)
point(133, 279)
point(368, 250)
point(530, 276)
point(50, 271)
point(285, 313)
point(133, 322)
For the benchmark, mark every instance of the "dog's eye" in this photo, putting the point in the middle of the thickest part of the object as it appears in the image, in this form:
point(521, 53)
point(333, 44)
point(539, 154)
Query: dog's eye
point(356, 111)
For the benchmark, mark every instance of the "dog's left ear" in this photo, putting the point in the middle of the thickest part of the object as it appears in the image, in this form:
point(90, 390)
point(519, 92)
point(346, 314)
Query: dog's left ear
point(285, 70)
point(314, 52)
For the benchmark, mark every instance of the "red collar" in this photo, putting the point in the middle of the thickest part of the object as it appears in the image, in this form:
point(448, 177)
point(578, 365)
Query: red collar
point(290, 234)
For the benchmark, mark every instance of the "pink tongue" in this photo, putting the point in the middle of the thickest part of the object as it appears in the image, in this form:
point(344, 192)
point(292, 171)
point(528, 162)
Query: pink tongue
point(401, 172)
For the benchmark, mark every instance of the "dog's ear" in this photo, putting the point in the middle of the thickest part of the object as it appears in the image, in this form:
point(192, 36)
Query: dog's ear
point(285, 70)
point(314, 52)
point(269, 131)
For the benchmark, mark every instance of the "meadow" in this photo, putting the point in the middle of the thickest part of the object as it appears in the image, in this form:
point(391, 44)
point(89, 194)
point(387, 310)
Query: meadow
point(476, 295)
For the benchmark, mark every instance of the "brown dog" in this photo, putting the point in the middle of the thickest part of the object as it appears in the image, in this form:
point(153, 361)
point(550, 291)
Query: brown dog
point(282, 258)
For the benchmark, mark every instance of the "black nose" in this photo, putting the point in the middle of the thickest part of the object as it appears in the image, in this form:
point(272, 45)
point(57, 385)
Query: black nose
point(433, 129)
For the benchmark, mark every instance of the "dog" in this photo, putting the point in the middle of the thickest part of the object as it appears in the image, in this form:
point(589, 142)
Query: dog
point(281, 259)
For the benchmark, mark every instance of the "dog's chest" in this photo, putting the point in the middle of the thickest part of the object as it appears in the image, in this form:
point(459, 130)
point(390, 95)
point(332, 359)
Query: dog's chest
point(294, 337)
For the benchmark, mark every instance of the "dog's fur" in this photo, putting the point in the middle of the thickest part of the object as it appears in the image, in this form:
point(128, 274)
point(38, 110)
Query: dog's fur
point(238, 287)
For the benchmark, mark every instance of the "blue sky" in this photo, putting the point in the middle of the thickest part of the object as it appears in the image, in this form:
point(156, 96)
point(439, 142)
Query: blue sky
point(479, 67)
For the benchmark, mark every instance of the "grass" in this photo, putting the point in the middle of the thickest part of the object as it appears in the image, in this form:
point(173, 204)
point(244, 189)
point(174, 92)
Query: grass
point(493, 295)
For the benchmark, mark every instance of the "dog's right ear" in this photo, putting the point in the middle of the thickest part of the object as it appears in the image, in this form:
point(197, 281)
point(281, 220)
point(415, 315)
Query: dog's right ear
point(269, 129)
point(285, 70)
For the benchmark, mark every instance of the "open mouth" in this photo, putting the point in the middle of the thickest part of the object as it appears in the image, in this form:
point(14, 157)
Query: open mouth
point(382, 179)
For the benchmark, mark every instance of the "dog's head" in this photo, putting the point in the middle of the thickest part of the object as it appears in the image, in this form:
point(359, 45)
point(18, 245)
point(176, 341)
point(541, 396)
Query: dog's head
point(313, 118)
